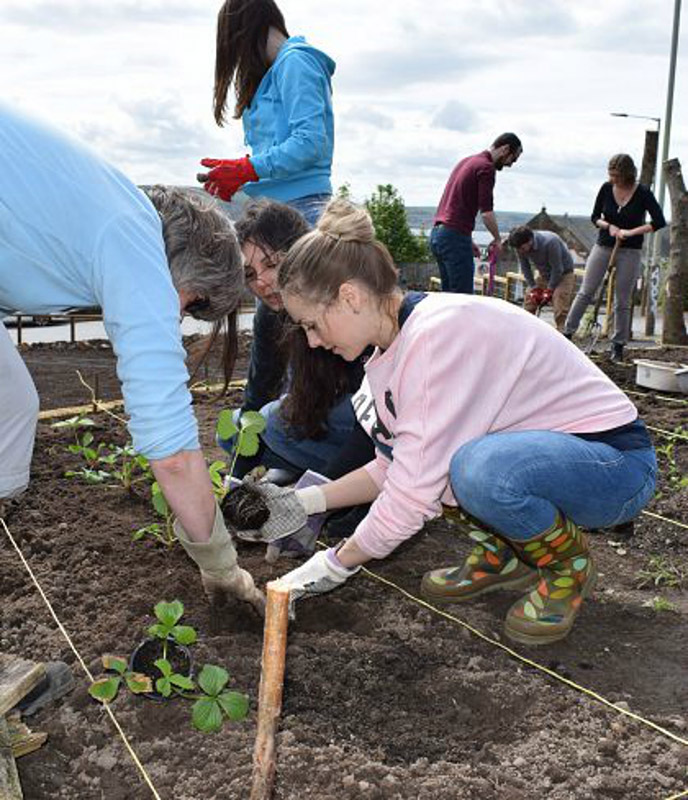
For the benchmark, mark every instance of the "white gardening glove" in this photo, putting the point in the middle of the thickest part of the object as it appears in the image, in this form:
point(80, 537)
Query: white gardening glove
point(322, 573)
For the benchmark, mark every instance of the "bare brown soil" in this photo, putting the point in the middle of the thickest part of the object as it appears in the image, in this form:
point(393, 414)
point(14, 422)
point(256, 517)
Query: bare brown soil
point(384, 698)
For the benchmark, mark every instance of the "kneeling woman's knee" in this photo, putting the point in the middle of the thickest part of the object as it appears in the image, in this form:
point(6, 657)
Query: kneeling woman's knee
point(473, 472)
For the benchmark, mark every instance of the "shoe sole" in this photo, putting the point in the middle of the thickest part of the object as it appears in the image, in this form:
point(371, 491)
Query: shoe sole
point(525, 638)
point(523, 583)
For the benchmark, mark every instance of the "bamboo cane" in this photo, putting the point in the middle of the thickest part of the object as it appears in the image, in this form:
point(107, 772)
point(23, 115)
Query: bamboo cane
point(270, 692)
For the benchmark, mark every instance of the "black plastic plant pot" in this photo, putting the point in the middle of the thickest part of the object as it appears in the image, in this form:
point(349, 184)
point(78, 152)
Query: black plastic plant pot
point(149, 651)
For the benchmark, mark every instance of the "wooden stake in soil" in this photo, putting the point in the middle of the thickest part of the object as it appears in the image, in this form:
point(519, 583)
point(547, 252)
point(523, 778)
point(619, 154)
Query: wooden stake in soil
point(271, 685)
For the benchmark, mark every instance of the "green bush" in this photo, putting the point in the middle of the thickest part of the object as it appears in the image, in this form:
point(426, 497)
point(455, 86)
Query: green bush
point(388, 212)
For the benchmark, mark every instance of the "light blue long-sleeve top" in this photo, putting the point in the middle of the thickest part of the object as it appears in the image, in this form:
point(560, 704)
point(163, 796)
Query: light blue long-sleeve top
point(74, 233)
point(289, 124)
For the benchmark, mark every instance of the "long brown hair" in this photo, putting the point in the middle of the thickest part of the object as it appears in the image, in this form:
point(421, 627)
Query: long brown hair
point(623, 164)
point(241, 51)
point(319, 379)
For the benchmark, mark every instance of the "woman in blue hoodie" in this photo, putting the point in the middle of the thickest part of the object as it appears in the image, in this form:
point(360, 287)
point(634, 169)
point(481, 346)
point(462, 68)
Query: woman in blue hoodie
point(284, 99)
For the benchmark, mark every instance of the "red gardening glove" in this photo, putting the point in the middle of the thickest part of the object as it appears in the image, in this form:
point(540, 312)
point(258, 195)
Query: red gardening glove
point(534, 296)
point(226, 176)
point(546, 296)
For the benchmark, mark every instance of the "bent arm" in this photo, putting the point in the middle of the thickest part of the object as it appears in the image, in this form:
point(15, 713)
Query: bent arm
point(185, 482)
point(490, 221)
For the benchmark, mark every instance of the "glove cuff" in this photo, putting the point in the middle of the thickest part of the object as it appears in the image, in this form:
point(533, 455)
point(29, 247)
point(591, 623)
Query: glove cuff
point(214, 557)
point(336, 565)
point(313, 499)
point(251, 175)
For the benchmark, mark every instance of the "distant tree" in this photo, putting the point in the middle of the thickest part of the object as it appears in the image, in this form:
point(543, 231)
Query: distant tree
point(344, 191)
point(388, 212)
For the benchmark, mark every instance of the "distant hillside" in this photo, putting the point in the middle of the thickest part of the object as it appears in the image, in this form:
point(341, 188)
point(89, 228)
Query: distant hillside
point(421, 217)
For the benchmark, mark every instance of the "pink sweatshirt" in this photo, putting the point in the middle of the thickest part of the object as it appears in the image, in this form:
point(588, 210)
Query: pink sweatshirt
point(463, 367)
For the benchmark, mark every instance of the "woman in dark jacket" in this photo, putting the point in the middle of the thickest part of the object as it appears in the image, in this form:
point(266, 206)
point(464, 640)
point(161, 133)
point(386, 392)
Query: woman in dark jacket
point(620, 211)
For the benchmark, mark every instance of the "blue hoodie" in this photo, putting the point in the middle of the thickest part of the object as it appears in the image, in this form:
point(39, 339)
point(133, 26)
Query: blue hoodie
point(75, 232)
point(289, 124)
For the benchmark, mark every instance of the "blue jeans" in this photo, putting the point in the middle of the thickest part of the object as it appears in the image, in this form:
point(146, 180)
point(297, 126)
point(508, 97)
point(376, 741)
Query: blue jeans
point(311, 206)
point(306, 454)
point(516, 482)
point(454, 254)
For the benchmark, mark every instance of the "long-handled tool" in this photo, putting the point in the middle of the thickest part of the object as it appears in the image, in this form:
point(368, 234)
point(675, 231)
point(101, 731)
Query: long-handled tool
point(595, 328)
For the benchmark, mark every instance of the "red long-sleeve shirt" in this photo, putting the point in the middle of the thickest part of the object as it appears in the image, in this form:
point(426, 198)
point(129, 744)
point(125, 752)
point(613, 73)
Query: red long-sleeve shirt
point(468, 190)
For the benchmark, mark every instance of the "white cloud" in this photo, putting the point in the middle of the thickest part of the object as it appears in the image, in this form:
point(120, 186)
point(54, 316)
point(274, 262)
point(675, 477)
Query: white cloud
point(455, 116)
point(418, 86)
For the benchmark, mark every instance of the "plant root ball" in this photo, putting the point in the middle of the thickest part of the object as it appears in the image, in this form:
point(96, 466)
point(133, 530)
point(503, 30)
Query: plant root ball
point(245, 509)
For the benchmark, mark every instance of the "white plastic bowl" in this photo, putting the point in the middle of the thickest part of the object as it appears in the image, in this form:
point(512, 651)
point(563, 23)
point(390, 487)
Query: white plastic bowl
point(682, 379)
point(660, 375)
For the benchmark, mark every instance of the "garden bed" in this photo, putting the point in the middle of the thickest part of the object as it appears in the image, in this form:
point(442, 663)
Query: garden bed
point(384, 698)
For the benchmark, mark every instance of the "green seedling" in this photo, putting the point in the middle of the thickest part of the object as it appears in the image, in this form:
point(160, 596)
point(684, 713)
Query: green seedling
point(74, 424)
point(213, 703)
point(216, 703)
point(129, 467)
point(167, 627)
point(246, 434)
point(660, 604)
point(676, 479)
point(662, 571)
point(220, 487)
point(105, 689)
point(163, 532)
point(88, 474)
point(84, 447)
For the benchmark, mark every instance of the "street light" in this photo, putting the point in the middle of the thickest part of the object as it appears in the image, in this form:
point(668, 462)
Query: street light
point(636, 116)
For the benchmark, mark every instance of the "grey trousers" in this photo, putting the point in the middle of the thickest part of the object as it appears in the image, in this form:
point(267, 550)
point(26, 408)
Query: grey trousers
point(627, 274)
point(18, 418)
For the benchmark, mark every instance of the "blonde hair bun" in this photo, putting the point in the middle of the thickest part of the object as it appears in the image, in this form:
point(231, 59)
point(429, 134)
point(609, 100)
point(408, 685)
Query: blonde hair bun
point(343, 221)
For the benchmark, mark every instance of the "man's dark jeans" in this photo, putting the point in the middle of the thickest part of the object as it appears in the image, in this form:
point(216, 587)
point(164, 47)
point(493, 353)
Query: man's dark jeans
point(454, 254)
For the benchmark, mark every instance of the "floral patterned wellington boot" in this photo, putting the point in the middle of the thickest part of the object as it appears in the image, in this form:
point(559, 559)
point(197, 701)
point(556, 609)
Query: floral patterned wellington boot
point(492, 565)
point(567, 576)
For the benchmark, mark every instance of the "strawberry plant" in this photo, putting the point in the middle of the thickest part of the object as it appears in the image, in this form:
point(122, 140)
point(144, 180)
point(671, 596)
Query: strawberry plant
point(213, 702)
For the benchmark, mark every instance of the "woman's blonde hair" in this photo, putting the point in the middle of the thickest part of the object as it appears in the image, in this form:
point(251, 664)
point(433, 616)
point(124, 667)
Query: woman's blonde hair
point(623, 164)
point(341, 248)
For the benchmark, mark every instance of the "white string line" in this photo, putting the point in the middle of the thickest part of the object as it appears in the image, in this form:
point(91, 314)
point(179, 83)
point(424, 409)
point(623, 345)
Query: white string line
point(66, 635)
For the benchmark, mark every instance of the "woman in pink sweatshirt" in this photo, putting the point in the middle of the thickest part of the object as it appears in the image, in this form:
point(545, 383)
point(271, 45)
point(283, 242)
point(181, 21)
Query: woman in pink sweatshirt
point(479, 405)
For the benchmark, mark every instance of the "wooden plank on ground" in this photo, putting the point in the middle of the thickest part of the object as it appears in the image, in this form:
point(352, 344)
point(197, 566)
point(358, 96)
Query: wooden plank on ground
point(22, 738)
point(17, 679)
point(10, 788)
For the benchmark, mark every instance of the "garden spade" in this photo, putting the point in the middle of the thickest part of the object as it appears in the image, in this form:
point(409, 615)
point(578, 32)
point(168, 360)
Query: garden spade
point(595, 328)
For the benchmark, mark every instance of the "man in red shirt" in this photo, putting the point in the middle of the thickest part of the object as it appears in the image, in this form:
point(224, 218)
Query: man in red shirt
point(469, 190)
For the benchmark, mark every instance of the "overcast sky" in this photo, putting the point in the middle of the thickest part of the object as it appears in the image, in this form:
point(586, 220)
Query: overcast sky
point(419, 84)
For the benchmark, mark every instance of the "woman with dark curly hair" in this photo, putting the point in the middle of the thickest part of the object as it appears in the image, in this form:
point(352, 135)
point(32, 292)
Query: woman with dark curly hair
point(620, 210)
point(283, 93)
point(305, 394)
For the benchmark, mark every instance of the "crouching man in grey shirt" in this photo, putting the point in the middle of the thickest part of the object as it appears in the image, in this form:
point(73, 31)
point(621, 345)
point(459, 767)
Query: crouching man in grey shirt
point(555, 282)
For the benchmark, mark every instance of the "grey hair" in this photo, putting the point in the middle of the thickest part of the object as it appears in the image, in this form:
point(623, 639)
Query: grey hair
point(202, 250)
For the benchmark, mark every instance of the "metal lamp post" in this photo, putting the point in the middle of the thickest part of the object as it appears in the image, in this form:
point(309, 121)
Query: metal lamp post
point(655, 277)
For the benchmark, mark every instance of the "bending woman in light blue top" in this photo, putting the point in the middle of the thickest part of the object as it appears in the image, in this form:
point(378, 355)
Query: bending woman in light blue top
point(75, 233)
point(283, 96)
